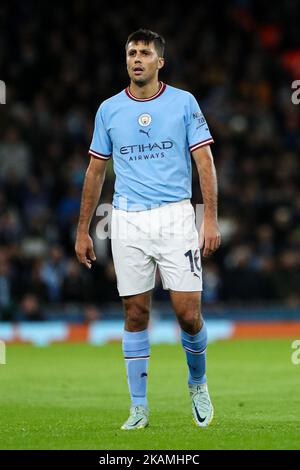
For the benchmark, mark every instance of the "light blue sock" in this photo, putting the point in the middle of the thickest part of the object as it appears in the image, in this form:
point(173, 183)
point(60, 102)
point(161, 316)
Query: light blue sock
point(195, 350)
point(136, 349)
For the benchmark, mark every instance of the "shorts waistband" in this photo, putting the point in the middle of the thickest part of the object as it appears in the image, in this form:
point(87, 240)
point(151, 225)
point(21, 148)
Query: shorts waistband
point(155, 207)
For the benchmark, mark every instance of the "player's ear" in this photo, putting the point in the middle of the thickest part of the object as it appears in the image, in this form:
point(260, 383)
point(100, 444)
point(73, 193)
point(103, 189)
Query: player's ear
point(161, 62)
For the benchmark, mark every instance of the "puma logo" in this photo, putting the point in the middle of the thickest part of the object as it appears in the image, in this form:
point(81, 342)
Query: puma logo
point(145, 132)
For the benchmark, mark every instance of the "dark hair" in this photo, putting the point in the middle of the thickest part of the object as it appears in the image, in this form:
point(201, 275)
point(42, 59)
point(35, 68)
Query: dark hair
point(147, 36)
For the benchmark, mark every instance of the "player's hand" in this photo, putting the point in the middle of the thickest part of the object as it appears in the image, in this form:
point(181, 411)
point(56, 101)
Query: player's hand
point(209, 237)
point(84, 249)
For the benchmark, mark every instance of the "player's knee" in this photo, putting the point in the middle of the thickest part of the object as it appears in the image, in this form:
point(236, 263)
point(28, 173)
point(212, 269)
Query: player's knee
point(135, 322)
point(191, 321)
point(136, 316)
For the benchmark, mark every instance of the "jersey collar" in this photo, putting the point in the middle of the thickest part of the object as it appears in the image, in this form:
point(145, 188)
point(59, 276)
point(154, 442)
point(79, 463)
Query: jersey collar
point(160, 92)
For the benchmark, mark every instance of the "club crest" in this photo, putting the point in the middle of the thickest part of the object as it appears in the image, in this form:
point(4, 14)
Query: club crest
point(145, 120)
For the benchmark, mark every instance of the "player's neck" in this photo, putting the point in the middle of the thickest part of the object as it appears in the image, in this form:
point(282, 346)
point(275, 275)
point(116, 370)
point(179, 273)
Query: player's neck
point(145, 91)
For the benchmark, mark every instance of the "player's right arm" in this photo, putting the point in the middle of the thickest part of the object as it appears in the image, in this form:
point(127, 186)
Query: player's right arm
point(92, 187)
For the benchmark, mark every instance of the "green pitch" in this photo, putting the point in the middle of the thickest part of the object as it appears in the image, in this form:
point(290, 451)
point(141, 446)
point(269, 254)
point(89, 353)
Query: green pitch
point(75, 397)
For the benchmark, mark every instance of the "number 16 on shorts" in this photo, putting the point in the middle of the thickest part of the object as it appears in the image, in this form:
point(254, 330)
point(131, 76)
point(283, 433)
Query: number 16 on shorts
point(194, 258)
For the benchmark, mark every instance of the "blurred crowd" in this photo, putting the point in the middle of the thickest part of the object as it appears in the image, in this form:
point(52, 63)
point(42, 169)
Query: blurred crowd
point(60, 63)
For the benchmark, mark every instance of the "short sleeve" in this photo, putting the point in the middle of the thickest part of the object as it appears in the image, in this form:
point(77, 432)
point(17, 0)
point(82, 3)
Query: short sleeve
point(101, 146)
point(198, 133)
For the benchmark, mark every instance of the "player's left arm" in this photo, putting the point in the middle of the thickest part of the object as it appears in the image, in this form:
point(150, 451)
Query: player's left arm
point(209, 232)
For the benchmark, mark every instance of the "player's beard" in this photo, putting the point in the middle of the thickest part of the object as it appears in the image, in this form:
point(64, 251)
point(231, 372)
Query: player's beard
point(140, 82)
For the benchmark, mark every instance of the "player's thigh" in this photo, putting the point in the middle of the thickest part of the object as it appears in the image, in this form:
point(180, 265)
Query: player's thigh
point(180, 260)
point(180, 269)
point(135, 270)
point(135, 267)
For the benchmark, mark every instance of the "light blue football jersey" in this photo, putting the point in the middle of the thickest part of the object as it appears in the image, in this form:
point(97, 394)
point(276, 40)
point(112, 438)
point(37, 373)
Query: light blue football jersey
point(150, 141)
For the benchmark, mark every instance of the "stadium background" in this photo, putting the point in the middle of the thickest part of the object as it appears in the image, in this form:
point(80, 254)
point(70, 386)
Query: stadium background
point(59, 60)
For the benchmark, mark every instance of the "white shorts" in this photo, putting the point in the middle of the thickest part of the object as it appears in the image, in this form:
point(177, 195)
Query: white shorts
point(166, 237)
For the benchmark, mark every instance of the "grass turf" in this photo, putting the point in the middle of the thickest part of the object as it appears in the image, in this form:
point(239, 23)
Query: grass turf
point(74, 396)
